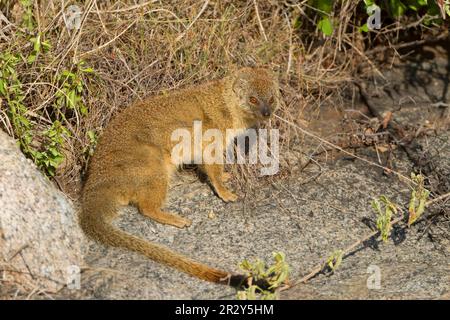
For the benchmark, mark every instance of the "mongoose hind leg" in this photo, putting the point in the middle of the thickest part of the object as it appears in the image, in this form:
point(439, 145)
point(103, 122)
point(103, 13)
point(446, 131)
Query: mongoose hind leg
point(149, 201)
point(217, 177)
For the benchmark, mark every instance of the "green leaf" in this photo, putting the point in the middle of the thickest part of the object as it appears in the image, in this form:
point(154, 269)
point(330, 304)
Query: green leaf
point(92, 136)
point(87, 70)
point(325, 26)
point(323, 5)
point(32, 57)
point(54, 152)
point(397, 8)
point(418, 198)
point(415, 4)
point(36, 43)
point(335, 260)
point(2, 87)
point(364, 28)
point(297, 23)
point(71, 97)
point(83, 110)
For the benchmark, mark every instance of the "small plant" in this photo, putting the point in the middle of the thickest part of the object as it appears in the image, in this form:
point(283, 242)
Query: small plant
point(11, 90)
point(71, 89)
point(48, 155)
point(335, 260)
point(384, 216)
point(429, 10)
point(51, 157)
point(70, 96)
point(419, 197)
point(275, 275)
point(89, 149)
point(324, 8)
point(27, 17)
point(38, 46)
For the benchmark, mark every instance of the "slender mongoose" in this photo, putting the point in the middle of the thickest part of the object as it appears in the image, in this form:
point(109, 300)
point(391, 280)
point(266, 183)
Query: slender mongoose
point(132, 163)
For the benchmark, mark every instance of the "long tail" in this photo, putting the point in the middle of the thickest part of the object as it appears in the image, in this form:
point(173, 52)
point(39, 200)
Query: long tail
point(99, 227)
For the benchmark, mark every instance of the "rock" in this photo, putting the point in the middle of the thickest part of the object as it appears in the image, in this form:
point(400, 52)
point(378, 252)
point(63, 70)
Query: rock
point(40, 242)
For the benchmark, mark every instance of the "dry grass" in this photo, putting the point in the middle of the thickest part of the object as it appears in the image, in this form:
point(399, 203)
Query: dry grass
point(138, 50)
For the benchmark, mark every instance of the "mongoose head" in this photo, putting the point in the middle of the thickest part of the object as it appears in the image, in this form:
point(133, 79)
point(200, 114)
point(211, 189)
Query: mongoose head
point(257, 91)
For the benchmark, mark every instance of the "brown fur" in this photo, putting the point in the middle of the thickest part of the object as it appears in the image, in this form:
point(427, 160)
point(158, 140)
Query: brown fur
point(132, 163)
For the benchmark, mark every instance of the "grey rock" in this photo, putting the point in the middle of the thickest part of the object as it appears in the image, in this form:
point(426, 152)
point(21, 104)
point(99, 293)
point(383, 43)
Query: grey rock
point(40, 242)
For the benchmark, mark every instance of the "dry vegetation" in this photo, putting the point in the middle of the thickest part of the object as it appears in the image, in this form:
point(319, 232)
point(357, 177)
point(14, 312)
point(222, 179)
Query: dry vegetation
point(126, 50)
point(138, 48)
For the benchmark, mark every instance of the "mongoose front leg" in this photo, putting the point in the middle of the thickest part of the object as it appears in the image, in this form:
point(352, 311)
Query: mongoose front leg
point(165, 217)
point(217, 177)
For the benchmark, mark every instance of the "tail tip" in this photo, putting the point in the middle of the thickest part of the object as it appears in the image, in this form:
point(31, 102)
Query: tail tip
point(240, 282)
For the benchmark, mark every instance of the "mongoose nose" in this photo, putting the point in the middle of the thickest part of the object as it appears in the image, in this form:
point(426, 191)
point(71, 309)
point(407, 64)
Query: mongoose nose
point(265, 111)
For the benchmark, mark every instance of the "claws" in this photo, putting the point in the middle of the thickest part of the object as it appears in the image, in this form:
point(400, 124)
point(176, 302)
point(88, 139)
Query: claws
point(227, 195)
point(181, 222)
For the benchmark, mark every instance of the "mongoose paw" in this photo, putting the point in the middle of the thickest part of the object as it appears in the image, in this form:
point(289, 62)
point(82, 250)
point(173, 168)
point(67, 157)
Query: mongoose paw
point(226, 177)
point(227, 196)
point(182, 223)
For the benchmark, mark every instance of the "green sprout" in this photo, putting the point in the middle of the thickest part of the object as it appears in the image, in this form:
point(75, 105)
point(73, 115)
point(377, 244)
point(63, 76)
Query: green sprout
point(275, 275)
point(384, 217)
point(419, 196)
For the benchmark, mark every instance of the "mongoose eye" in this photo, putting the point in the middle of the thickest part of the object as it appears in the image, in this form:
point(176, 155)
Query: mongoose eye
point(271, 100)
point(253, 100)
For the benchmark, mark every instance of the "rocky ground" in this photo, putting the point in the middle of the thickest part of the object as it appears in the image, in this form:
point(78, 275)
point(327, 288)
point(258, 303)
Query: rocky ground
point(306, 222)
point(310, 212)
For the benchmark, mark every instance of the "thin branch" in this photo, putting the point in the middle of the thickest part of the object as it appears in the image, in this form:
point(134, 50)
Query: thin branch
point(130, 8)
point(193, 21)
point(408, 44)
point(109, 42)
point(306, 132)
point(261, 27)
